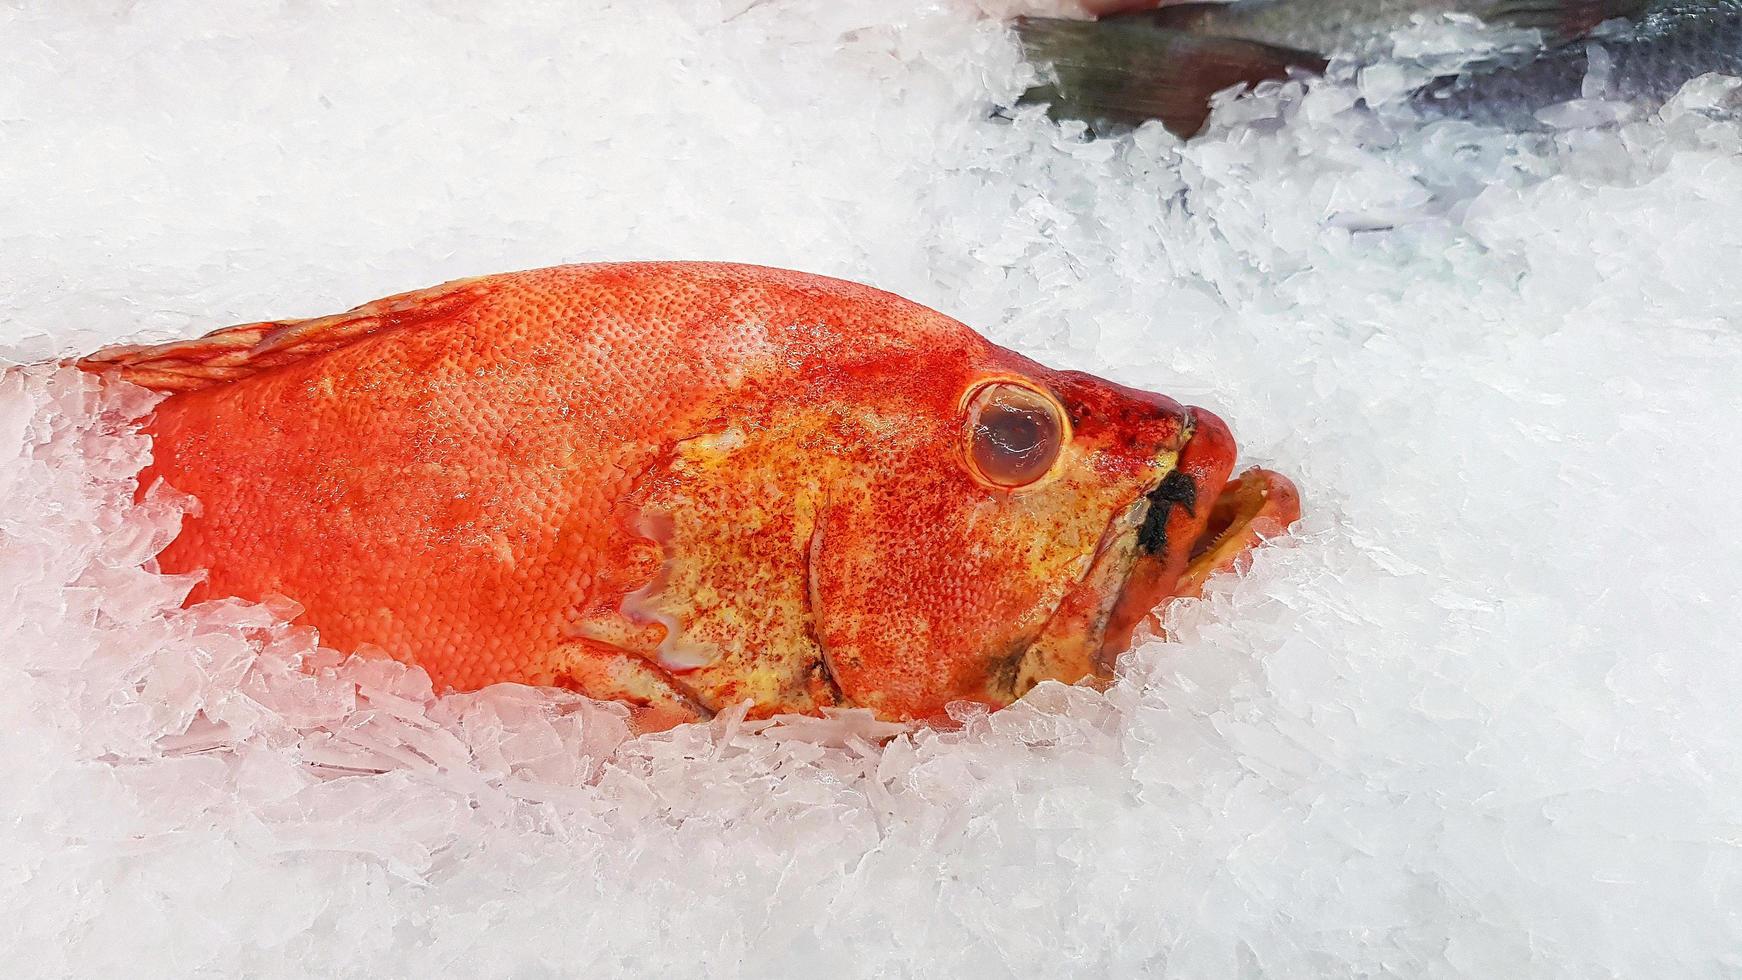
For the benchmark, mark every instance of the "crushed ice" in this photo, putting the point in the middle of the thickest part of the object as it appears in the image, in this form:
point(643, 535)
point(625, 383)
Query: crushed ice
point(1478, 717)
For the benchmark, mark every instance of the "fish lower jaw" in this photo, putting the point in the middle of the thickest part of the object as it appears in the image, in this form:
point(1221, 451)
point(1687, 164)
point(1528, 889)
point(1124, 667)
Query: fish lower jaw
point(1068, 648)
point(1257, 505)
point(1240, 515)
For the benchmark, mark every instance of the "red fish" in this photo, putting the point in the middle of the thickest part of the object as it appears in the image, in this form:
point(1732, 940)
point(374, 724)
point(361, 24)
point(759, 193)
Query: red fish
point(686, 486)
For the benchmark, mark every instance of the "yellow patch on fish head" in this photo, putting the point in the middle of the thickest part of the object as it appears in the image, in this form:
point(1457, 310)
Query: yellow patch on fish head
point(940, 532)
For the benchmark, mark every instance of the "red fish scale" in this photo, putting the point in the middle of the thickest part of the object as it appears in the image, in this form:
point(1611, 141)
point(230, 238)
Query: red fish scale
point(460, 485)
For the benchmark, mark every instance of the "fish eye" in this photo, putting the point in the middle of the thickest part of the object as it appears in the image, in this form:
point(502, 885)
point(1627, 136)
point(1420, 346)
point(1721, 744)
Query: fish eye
point(1014, 434)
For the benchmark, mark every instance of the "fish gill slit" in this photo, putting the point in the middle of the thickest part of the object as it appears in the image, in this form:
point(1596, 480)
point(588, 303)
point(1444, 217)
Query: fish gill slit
point(813, 608)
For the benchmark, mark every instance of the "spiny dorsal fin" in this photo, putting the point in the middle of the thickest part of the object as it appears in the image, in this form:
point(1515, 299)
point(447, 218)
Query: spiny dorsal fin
point(247, 349)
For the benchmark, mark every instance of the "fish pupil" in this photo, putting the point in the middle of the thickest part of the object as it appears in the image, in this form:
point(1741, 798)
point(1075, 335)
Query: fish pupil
point(1015, 430)
point(1016, 435)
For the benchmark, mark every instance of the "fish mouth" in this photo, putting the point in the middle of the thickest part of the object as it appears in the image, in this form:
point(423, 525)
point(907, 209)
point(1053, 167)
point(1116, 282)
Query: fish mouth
point(1192, 522)
point(1195, 522)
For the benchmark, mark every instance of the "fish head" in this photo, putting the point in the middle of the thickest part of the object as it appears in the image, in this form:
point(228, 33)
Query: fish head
point(872, 505)
point(991, 523)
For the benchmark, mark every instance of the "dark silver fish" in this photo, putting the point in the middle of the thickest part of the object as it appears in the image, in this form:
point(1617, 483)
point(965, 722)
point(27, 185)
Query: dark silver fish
point(1673, 43)
point(1165, 64)
point(1354, 27)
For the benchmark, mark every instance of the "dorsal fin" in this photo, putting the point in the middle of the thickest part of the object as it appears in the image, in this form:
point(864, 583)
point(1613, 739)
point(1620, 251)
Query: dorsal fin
point(247, 349)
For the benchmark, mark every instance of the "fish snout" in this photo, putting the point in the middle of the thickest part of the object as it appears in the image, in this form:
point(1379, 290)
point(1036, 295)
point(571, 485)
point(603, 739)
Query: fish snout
point(1231, 517)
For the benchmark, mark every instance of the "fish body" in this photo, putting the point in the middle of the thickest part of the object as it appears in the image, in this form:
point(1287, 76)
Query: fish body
point(1645, 62)
point(1166, 63)
point(687, 486)
point(1327, 27)
point(1124, 71)
point(1357, 27)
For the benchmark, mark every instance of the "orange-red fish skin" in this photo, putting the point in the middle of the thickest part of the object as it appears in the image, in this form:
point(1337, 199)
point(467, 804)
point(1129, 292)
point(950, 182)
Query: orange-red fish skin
point(681, 485)
point(388, 470)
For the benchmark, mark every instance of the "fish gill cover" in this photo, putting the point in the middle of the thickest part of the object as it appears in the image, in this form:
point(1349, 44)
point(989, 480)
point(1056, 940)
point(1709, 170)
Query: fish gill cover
point(1476, 718)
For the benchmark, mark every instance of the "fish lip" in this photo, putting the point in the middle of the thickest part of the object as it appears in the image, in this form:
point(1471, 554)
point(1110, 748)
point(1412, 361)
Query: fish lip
point(1188, 523)
point(1227, 520)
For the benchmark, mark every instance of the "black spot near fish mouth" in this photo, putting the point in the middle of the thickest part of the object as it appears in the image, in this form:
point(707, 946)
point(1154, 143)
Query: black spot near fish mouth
point(1175, 489)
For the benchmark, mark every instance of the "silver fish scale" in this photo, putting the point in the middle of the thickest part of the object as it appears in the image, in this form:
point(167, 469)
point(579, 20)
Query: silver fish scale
point(1670, 45)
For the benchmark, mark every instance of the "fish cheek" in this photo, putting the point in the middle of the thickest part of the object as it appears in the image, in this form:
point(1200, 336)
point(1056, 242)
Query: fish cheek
point(928, 591)
point(730, 519)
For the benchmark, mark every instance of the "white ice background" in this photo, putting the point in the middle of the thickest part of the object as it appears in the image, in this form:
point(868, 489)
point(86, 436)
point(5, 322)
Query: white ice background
point(1477, 717)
